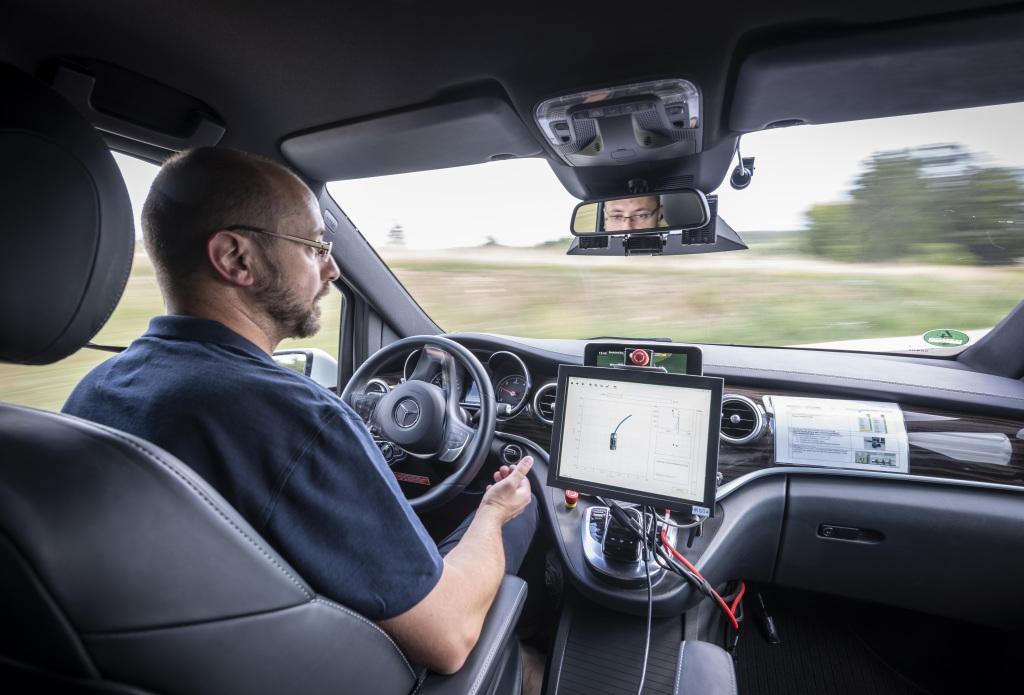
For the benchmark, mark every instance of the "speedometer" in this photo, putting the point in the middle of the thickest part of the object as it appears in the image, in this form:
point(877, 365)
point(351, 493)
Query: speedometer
point(511, 390)
point(511, 380)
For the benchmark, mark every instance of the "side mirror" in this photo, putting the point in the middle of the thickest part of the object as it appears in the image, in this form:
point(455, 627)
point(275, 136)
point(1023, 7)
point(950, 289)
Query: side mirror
point(655, 212)
point(312, 362)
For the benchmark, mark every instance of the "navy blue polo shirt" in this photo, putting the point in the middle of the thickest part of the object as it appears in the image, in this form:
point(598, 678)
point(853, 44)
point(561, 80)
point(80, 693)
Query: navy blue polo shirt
point(292, 458)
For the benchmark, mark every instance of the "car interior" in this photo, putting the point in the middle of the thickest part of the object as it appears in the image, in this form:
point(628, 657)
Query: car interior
point(754, 562)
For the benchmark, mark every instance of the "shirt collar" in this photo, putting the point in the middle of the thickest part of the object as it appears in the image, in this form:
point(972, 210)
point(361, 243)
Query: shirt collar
point(203, 331)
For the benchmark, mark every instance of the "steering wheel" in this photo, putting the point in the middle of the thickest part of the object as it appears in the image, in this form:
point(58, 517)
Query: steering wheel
point(425, 420)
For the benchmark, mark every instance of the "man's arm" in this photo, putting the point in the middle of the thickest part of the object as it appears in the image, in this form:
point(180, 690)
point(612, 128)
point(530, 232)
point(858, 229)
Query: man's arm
point(441, 630)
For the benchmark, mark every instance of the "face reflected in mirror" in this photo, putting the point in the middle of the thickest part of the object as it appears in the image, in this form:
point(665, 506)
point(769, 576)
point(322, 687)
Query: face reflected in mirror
point(625, 214)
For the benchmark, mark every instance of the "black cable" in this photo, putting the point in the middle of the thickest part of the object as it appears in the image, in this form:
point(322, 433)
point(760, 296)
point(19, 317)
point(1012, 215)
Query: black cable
point(105, 348)
point(675, 566)
point(645, 539)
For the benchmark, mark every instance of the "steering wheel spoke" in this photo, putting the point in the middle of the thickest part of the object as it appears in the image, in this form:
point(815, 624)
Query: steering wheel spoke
point(457, 435)
point(365, 405)
point(430, 361)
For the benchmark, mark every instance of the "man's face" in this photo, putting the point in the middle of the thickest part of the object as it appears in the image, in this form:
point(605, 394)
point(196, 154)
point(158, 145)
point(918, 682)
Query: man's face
point(294, 279)
point(643, 212)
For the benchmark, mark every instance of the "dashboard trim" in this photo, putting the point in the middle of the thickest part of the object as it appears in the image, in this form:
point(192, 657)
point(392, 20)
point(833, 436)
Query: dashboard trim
point(781, 469)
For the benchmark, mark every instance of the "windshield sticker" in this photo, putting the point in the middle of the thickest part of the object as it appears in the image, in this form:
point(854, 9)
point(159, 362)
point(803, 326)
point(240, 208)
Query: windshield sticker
point(946, 337)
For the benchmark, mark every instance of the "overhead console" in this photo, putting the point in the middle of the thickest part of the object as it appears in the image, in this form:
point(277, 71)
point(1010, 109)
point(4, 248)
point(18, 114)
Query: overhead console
point(624, 124)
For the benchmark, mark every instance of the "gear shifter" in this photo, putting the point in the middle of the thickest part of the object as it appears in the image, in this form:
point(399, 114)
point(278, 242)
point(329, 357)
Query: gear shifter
point(619, 542)
point(612, 551)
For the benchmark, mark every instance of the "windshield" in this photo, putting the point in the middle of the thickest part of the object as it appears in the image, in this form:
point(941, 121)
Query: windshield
point(891, 235)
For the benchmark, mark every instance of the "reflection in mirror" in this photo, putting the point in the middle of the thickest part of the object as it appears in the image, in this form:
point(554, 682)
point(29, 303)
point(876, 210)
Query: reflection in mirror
point(687, 209)
point(292, 359)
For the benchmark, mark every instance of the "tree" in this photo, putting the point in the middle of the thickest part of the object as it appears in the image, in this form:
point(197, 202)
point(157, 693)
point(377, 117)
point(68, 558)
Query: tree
point(933, 204)
point(396, 236)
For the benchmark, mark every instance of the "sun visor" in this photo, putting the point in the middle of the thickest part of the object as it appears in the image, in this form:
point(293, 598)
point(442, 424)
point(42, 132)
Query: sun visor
point(885, 73)
point(457, 133)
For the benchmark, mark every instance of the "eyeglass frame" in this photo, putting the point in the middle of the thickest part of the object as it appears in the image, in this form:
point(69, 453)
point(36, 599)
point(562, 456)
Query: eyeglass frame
point(323, 247)
point(623, 218)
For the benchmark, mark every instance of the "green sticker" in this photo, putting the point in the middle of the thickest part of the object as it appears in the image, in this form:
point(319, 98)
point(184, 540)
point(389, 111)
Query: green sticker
point(946, 337)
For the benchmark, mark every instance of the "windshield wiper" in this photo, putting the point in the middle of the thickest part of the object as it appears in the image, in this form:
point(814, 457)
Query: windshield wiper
point(620, 337)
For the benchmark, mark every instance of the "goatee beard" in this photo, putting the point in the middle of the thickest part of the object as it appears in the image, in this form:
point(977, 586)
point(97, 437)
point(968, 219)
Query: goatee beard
point(291, 318)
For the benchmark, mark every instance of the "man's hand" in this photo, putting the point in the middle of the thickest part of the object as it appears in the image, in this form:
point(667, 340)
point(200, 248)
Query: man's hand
point(443, 628)
point(510, 493)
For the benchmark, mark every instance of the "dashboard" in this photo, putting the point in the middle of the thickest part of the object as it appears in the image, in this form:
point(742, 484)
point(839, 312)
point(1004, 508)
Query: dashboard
point(877, 536)
point(973, 446)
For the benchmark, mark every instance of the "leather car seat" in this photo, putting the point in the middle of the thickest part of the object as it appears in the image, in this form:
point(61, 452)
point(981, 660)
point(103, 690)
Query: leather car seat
point(121, 570)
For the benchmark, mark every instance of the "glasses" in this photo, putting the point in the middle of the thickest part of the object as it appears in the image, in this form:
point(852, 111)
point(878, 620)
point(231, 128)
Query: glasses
point(641, 217)
point(323, 248)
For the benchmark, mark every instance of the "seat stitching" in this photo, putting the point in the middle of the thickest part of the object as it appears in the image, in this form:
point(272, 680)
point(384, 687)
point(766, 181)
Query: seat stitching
point(363, 619)
point(420, 681)
point(211, 504)
point(490, 654)
point(679, 665)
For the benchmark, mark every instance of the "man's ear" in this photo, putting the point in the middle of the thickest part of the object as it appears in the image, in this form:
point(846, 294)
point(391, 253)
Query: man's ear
point(231, 256)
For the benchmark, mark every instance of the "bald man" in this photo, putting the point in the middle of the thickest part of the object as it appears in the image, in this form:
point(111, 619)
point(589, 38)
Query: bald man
point(238, 246)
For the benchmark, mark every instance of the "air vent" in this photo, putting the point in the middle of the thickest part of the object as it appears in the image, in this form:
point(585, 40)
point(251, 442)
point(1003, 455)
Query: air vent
point(544, 403)
point(743, 420)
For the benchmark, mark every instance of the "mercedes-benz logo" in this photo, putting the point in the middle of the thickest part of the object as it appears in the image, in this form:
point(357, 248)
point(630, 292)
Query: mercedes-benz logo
point(407, 413)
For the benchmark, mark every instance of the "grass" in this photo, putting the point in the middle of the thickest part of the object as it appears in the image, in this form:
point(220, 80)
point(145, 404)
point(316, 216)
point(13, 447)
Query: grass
point(756, 299)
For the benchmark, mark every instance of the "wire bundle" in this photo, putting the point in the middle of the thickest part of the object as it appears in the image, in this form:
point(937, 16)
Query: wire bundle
point(654, 542)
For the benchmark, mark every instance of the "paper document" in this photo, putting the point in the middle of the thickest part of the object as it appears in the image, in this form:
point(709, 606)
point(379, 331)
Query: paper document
point(839, 434)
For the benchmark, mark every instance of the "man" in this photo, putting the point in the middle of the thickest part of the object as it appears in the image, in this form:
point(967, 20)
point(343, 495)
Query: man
point(625, 214)
point(237, 244)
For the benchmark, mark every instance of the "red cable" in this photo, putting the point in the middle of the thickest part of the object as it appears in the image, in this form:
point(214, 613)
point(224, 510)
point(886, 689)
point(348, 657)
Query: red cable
point(679, 556)
point(739, 597)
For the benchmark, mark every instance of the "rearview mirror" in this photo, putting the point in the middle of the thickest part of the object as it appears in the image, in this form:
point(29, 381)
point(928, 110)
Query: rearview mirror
point(654, 212)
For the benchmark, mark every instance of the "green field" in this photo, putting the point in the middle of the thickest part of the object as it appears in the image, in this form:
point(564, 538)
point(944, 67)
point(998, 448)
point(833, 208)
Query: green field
point(48, 386)
point(720, 298)
point(757, 299)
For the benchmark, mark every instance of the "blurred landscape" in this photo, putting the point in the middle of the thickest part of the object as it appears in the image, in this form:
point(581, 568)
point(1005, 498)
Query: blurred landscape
point(927, 238)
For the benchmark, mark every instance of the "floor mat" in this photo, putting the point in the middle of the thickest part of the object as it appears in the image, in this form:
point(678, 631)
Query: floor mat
point(820, 654)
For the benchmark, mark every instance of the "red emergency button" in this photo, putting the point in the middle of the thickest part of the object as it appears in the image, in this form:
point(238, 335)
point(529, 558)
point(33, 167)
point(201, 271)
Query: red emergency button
point(571, 498)
point(640, 358)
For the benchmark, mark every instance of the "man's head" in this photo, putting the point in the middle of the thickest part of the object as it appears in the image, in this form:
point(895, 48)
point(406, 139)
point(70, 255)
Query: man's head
point(199, 224)
point(642, 212)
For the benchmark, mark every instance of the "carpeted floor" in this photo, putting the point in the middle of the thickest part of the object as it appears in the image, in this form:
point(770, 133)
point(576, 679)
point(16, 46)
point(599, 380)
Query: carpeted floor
point(821, 653)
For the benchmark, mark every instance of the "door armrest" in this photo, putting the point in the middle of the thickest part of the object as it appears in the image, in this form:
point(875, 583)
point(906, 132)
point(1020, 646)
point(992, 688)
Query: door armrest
point(483, 662)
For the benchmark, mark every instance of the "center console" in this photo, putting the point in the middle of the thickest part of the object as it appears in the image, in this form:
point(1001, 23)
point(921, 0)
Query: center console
point(634, 454)
point(635, 435)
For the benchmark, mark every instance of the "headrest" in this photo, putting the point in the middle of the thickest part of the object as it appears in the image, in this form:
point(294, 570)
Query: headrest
point(65, 225)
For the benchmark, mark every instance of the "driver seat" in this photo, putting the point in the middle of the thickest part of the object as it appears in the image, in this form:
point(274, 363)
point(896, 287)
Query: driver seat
point(121, 570)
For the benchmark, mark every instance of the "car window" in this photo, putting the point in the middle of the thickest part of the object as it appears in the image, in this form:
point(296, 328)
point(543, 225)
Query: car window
point(48, 386)
point(890, 235)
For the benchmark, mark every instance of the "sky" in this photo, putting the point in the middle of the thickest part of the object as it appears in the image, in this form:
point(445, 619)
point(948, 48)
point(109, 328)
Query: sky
point(521, 203)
